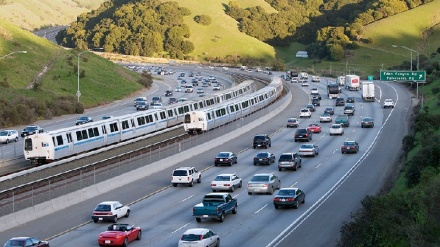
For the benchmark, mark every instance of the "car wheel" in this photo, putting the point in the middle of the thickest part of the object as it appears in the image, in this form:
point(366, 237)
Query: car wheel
point(230, 163)
point(127, 214)
point(249, 193)
point(95, 220)
point(7, 141)
point(295, 167)
point(330, 134)
point(198, 220)
point(214, 190)
point(295, 205)
point(240, 184)
point(222, 217)
point(280, 169)
point(215, 164)
point(304, 200)
point(174, 185)
point(115, 219)
point(125, 244)
point(254, 147)
point(139, 236)
point(234, 210)
point(271, 191)
point(232, 188)
point(276, 206)
point(217, 244)
point(236, 161)
point(16, 139)
point(199, 180)
point(191, 184)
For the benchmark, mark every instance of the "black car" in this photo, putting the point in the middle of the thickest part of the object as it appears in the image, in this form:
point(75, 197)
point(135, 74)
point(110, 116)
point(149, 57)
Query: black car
point(350, 99)
point(367, 122)
point(26, 241)
point(225, 158)
point(329, 110)
point(316, 102)
point(262, 140)
point(289, 197)
point(340, 102)
point(264, 158)
point(316, 95)
point(30, 130)
point(83, 120)
point(311, 107)
point(168, 93)
point(172, 101)
point(155, 100)
point(303, 135)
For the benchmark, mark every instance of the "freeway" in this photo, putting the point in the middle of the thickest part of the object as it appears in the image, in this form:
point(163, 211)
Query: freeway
point(334, 184)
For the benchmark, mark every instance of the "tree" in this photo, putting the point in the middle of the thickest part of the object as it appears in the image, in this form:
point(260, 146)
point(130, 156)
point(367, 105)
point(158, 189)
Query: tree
point(336, 52)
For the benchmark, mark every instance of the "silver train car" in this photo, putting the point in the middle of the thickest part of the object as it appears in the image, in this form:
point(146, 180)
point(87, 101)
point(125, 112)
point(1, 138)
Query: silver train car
point(202, 120)
point(58, 144)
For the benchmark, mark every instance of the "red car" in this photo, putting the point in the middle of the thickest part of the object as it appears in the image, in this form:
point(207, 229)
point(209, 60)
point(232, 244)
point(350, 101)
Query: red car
point(350, 147)
point(119, 235)
point(314, 128)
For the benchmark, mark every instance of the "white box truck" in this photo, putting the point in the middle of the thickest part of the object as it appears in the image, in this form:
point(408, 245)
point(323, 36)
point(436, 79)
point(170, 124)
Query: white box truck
point(352, 82)
point(367, 91)
point(340, 80)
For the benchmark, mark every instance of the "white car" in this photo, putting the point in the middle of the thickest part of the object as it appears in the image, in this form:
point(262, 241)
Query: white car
point(308, 150)
point(305, 113)
point(226, 182)
point(316, 79)
point(156, 105)
point(178, 89)
point(314, 91)
point(199, 237)
point(139, 99)
point(110, 211)
point(215, 86)
point(304, 83)
point(325, 118)
point(336, 129)
point(7, 136)
point(200, 90)
point(189, 89)
point(186, 175)
point(388, 103)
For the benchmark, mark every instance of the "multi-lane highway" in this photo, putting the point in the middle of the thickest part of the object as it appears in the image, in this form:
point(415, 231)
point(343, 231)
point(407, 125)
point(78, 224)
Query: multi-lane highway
point(334, 184)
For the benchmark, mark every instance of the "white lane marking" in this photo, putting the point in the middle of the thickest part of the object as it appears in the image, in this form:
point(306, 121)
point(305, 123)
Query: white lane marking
point(186, 198)
point(335, 151)
point(319, 164)
point(294, 184)
point(256, 212)
point(180, 228)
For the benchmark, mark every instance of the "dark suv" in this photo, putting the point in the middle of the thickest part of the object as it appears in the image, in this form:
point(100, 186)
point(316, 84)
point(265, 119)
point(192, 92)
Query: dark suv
point(289, 161)
point(30, 130)
point(340, 102)
point(303, 135)
point(262, 140)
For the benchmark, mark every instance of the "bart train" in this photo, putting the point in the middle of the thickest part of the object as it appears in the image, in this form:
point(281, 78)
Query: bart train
point(58, 144)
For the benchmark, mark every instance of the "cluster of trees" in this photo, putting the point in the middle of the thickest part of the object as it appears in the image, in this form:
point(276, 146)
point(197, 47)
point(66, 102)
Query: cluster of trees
point(203, 19)
point(410, 216)
point(140, 28)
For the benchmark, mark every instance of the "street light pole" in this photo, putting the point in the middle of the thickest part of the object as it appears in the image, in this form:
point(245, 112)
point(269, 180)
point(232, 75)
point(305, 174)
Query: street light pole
point(78, 93)
point(418, 55)
point(13, 53)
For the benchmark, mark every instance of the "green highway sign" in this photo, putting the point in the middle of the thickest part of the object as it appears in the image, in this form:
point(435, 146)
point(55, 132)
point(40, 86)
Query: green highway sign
point(370, 78)
point(391, 75)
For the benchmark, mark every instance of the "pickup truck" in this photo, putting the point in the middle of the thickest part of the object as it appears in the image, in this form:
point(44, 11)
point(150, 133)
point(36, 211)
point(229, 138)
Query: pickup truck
point(215, 206)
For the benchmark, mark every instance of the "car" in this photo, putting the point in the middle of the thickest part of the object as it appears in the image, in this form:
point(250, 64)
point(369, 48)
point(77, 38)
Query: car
point(264, 158)
point(183, 81)
point(308, 150)
point(25, 242)
point(106, 117)
point(340, 102)
point(189, 89)
point(119, 235)
point(225, 158)
point(311, 107)
point(343, 120)
point(182, 99)
point(350, 147)
point(316, 102)
point(178, 89)
point(289, 197)
point(388, 103)
point(168, 93)
point(367, 122)
point(261, 140)
point(289, 161)
point(186, 175)
point(172, 100)
point(83, 120)
point(329, 110)
point(336, 129)
point(200, 90)
point(314, 90)
point(350, 99)
point(199, 237)
point(303, 135)
point(215, 86)
point(349, 110)
point(315, 95)
point(292, 123)
point(142, 106)
point(139, 99)
point(31, 129)
point(316, 78)
point(304, 83)
point(314, 128)
point(155, 100)
point(7, 136)
point(305, 113)
point(156, 105)
point(110, 211)
point(325, 118)
point(228, 181)
point(263, 183)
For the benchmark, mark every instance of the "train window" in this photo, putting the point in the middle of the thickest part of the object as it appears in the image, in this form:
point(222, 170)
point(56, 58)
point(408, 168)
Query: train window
point(231, 108)
point(91, 134)
point(132, 123)
point(228, 96)
point(28, 144)
point(60, 140)
point(78, 136)
point(155, 117)
point(149, 118)
point(195, 106)
point(240, 91)
point(69, 137)
point(104, 130)
point(170, 113)
point(113, 127)
point(187, 118)
point(237, 107)
point(208, 116)
point(217, 99)
point(84, 134)
point(244, 104)
point(201, 104)
point(54, 143)
point(162, 115)
point(180, 110)
point(186, 108)
point(95, 131)
point(125, 125)
point(141, 120)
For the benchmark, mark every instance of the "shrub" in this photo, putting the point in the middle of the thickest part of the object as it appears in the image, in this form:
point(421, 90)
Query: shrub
point(203, 20)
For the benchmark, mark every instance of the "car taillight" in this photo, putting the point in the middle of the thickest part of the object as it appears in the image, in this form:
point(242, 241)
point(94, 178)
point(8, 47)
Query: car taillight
point(201, 237)
point(213, 184)
point(276, 199)
point(265, 185)
point(188, 178)
point(291, 199)
point(227, 185)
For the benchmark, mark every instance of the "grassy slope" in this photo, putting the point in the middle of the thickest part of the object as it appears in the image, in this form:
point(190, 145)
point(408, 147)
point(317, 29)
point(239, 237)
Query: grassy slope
point(104, 81)
point(31, 14)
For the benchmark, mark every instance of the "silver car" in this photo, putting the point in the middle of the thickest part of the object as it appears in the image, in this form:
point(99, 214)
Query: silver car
point(199, 237)
point(263, 183)
point(7, 136)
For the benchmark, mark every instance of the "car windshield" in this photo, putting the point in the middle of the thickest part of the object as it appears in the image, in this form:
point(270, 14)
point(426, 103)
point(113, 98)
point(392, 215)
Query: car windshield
point(291, 120)
point(349, 144)
point(222, 155)
point(367, 119)
point(191, 237)
point(259, 138)
point(336, 126)
point(260, 178)
point(285, 157)
point(179, 173)
point(262, 155)
point(222, 178)
point(306, 146)
point(304, 110)
point(30, 128)
point(103, 207)
point(83, 118)
point(286, 192)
